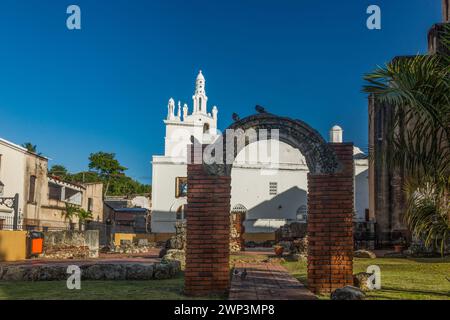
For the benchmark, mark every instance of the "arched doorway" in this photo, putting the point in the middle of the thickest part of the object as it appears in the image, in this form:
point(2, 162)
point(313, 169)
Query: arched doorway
point(330, 204)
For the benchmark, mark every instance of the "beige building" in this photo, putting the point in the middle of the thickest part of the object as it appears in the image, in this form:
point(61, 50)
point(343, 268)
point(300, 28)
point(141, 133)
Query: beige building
point(42, 199)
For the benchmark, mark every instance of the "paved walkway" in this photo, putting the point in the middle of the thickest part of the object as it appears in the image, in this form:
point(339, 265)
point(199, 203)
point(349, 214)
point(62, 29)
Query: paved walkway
point(267, 281)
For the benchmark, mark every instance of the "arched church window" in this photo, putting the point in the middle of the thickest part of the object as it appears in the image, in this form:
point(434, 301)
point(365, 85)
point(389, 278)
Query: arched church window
point(200, 103)
point(205, 127)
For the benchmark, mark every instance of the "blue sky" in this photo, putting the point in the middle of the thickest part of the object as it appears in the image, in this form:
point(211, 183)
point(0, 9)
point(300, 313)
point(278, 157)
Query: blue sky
point(106, 87)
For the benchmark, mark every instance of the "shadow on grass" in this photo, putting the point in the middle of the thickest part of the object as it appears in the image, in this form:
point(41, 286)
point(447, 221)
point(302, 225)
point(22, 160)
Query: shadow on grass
point(168, 289)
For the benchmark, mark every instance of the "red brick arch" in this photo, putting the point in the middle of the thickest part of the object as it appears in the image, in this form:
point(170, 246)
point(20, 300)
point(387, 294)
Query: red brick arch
point(330, 208)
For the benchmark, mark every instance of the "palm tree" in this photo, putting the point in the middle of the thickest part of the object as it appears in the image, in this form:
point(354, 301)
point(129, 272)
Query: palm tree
point(417, 89)
point(69, 212)
point(30, 147)
point(83, 216)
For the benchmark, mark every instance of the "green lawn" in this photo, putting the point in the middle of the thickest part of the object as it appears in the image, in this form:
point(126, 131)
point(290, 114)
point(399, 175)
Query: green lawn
point(423, 279)
point(400, 279)
point(170, 289)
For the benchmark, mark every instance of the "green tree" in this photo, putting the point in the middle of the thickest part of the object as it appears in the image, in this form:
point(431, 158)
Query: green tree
point(70, 212)
point(83, 216)
point(107, 166)
point(30, 147)
point(59, 171)
point(417, 90)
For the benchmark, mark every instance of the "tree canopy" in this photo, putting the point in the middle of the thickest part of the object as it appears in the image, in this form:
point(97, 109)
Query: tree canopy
point(105, 168)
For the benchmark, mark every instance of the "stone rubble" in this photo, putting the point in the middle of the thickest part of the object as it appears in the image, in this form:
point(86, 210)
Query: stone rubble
point(101, 271)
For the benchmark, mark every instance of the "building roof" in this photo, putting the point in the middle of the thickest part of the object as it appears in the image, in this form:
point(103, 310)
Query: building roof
point(58, 180)
point(20, 148)
point(134, 210)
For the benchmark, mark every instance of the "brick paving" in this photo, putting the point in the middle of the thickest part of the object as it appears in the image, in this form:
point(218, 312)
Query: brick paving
point(267, 281)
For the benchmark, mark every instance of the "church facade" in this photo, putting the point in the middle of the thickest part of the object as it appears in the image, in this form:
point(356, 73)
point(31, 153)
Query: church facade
point(269, 191)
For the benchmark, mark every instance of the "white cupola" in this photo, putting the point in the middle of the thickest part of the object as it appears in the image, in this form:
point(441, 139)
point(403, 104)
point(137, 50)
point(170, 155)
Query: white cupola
point(336, 134)
point(199, 98)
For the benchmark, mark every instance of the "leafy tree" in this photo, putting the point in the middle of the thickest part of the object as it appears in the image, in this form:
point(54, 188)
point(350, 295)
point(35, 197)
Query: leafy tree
point(107, 170)
point(417, 89)
point(58, 170)
point(107, 166)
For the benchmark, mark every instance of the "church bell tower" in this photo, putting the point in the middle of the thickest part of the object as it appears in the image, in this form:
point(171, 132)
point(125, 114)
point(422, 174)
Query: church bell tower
point(199, 98)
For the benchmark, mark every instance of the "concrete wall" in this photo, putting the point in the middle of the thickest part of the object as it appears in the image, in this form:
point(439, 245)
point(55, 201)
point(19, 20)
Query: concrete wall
point(133, 237)
point(94, 191)
point(12, 245)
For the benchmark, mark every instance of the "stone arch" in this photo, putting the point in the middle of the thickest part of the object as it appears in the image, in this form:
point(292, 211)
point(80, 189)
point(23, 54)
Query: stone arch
point(180, 202)
point(330, 204)
point(320, 157)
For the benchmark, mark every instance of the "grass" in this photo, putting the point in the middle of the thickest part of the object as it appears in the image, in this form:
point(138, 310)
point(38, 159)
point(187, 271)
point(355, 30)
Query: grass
point(170, 289)
point(411, 279)
point(401, 279)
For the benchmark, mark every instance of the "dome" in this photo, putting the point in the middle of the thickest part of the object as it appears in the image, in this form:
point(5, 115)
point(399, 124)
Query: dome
point(336, 128)
point(200, 76)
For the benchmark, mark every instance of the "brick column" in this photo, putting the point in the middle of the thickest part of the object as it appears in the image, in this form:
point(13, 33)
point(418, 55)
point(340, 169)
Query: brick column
point(330, 229)
point(207, 232)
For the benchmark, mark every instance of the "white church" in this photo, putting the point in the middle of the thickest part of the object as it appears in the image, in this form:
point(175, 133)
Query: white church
point(268, 198)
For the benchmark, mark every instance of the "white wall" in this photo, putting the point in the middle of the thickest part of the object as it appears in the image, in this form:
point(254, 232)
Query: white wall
point(281, 164)
point(164, 202)
point(12, 174)
point(361, 188)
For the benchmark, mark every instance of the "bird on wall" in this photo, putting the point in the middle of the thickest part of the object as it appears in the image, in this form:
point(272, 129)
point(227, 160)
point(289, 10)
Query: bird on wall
point(260, 109)
point(235, 116)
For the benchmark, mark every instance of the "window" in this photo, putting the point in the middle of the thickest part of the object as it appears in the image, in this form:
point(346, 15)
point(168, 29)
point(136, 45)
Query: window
point(54, 191)
point(180, 187)
point(90, 204)
point(2, 223)
point(31, 192)
point(273, 188)
point(45, 229)
point(205, 127)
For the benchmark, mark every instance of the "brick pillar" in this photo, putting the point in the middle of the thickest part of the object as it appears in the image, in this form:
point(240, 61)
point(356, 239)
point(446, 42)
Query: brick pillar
point(207, 232)
point(330, 229)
